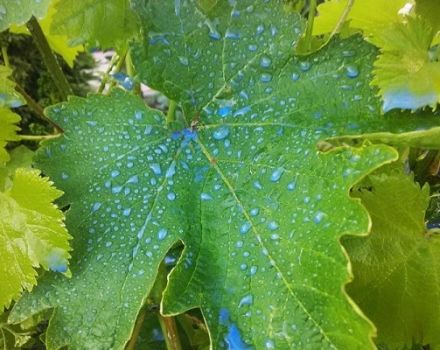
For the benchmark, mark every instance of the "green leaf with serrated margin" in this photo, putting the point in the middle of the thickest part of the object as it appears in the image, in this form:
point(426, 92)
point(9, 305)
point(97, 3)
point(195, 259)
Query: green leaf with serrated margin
point(259, 210)
point(102, 23)
point(32, 233)
point(397, 267)
point(8, 131)
point(19, 12)
point(8, 96)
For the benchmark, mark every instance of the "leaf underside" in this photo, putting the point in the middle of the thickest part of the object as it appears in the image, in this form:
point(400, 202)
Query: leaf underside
point(259, 210)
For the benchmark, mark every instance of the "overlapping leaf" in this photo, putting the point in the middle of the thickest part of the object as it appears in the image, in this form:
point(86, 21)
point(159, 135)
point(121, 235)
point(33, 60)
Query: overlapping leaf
point(58, 43)
point(19, 12)
point(32, 233)
point(95, 22)
point(407, 71)
point(8, 131)
point(259, 210)
point(397, 267)
point(8, 96)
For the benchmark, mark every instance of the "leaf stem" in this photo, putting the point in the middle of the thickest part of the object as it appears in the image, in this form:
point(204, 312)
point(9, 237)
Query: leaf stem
point(35, 106)
point(131, 73)
point(131, 345)
point(118, 69)
point(106, 75)
point(171, 114)
point(342, 19)
point(6, 56)
point(169, 330)
point(309, 29)
point(49, 58)
point(39, 137)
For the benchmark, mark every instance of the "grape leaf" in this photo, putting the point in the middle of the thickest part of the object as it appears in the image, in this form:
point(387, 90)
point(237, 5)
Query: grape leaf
point(397, 264)
point(95, 22)
point(8, 96)
point(58, 43)
point(19, 12)
point(408, 77)
point(32, 233)
point(20, 157)
point(8, 130)
point(429, 10)
point(259, 210)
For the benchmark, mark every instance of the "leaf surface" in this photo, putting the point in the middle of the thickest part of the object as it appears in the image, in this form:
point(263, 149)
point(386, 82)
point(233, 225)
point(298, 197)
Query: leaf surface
point(397, 267)
point(32, 233)
point(19, 12)
point(95, 22)
point(259, 210)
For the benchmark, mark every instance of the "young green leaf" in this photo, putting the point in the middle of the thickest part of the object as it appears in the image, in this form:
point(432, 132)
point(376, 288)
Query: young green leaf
point(19, 12)
point(102, 23)
point(32, 234)
point(8, 132)
point(8, 96)
point(397, 267)
point(259, 210)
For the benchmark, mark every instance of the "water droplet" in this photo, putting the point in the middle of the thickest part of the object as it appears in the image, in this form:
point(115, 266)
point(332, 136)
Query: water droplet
point(214, 34)
point(304, 66)
point(265, 62)
point(163, 232)
point(156, 168)
point(115, 173)
point(291, 186)
point(266, 78)
point(224, 111)
point(254, 211)
point(96, 206)
point(260, 29)
point(295, 76)
point(273, 225)
point(258, 185)
point(318, 217)
point(184, 60)
point(64, 175)
point(221, 133)
point(171, 170)
point(276, 175)
point(245, 227)
point(351, 71)
point(126, 212)
point(232, 35)
point(269, 344)
point(171, 196)
point(205, 196)
point(246, 300)
point(177, 7)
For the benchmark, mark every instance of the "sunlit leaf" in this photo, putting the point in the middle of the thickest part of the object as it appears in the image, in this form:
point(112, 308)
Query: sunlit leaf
point(19, 12)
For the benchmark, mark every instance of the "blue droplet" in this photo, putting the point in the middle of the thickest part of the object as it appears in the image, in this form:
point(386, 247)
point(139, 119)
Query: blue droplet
point(266, 78)
point(96, 206)
point(214, 35)
point(224, 111)
point(163, 232)
point(115, 173)
point(224, 317)
point(318, 217)
point(205, 196)
point(64, 175)
point(245, 227)
point(291, 186)
point(304, 66)
point(56, 262)
point(171, 170)
point(258, 185)
point(273, 225)
point(276, 175)
point(351, 71)
point(126, 212)
point(260, 29)
point(295, 76)
point(246, 300)
point(171, 196)
point(232, 35)
point(221, 133)
point(242, 111)
point(156, 168)
point(254, 211)
point(269, 344)
point(265, 62)
point(233, 339)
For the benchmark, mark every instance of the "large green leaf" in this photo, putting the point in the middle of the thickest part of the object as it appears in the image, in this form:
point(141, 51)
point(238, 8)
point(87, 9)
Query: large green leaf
point(19, 12)
point(103, 23)
point(259, 211)
point(397, 268)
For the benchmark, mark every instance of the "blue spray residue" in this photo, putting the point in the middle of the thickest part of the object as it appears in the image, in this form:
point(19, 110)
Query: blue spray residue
point(232, 338)
point(56, 262)
point(405, 99)
point(124, 80)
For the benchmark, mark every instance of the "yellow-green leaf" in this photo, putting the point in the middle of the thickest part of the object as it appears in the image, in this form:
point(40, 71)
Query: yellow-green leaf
point(8, 129)
point(32, 233)
point(8, 96)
